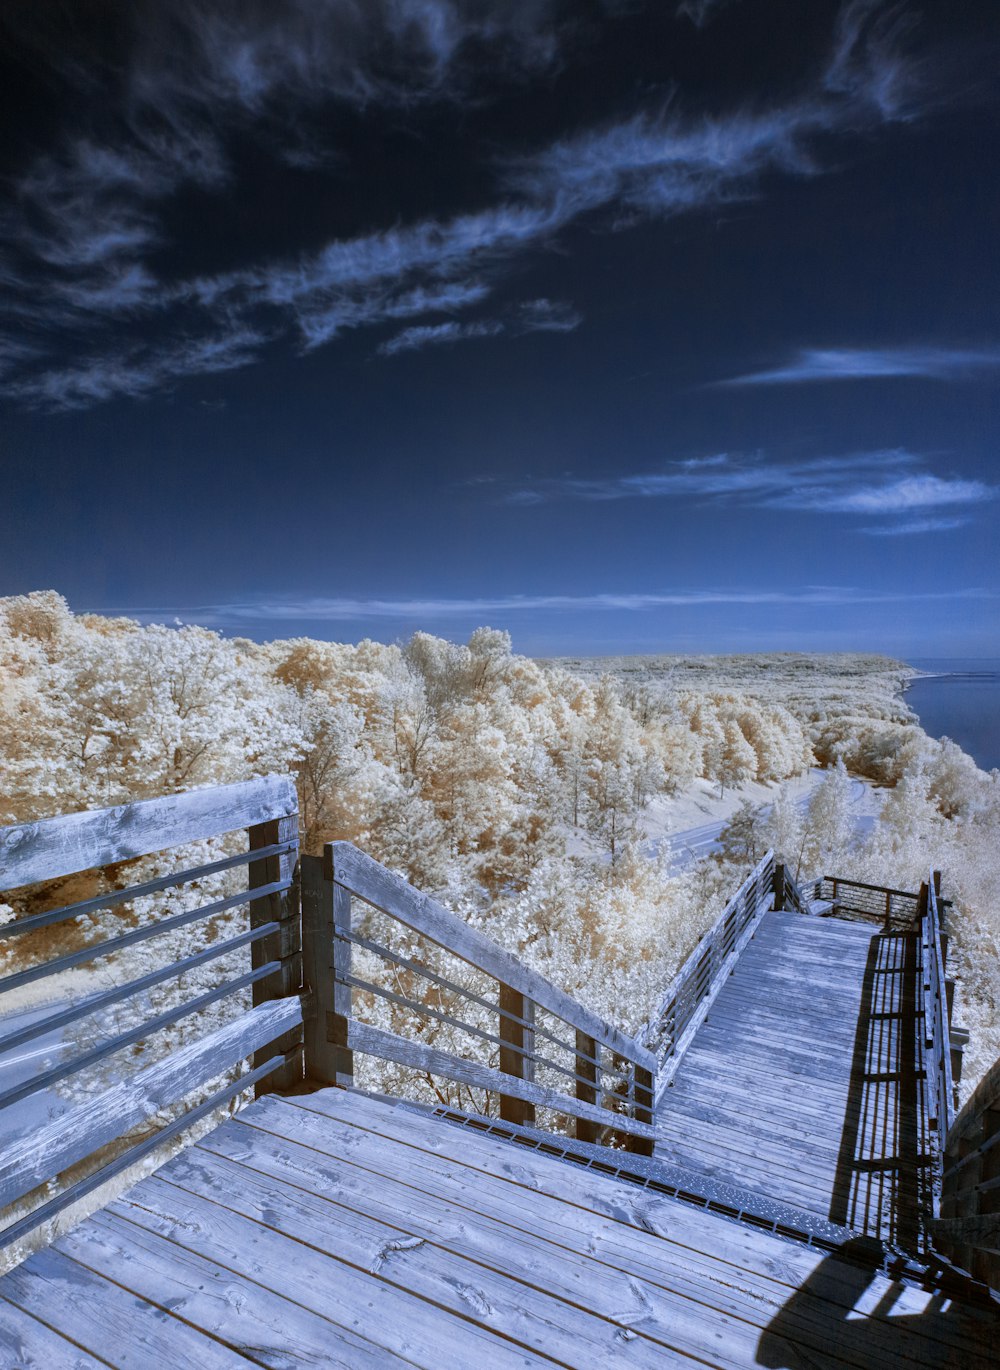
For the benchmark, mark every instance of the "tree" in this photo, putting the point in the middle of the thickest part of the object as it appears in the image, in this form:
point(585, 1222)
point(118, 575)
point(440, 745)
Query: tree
point(829, 823)
point(741, 838)
point(784, 831)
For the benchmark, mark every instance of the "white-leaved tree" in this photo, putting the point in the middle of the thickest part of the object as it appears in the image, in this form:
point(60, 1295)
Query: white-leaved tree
point(475, 773)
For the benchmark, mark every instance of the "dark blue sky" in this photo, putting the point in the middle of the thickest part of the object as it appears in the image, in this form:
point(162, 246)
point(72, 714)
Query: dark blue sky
point(628, 327)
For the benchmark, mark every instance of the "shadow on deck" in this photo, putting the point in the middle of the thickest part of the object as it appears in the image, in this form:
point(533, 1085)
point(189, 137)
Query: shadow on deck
point(801, 1082)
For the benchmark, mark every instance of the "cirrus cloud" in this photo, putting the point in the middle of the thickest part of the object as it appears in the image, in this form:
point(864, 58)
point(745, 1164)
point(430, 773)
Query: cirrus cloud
point(88, 244)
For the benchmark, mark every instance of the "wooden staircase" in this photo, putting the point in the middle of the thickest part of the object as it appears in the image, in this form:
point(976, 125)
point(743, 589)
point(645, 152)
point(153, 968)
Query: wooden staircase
point(755, 1180)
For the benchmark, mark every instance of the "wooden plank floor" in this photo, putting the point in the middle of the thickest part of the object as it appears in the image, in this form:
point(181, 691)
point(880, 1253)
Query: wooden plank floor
point(801, 1085)
point(338, 1230)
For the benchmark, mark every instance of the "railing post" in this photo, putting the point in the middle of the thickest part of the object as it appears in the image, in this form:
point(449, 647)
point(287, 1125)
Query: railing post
point(643, 1095)
point(586, 1066)
point(326, 959)
point(779, 886)
point(512, 1062)
point(283, 945)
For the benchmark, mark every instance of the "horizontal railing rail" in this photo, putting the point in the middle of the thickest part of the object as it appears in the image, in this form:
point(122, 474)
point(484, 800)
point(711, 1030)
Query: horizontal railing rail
point(894, 908)
point(934, 1007)
point(95, 1136)
point(543, 1050)
point(694, 988)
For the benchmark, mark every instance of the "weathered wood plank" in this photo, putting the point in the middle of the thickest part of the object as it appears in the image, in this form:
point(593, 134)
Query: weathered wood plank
point(669, 1068)
point(31, 1160)
point(981, 1231)
point(639, 1232)
point(30, 852)
point(368, 1235)
point(29, 1344)
point(359, 1298)
point(393, 895)
point(267, 1328)
point(770, 1095)
point(417, 1055)
point(108, 1321)
point(448, 1183)
point(692, 1308)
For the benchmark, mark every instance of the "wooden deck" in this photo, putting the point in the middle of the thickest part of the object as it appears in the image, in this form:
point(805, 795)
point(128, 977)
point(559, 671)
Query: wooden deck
point(332, 1229)
point(801, 1083)
point(801, 1060)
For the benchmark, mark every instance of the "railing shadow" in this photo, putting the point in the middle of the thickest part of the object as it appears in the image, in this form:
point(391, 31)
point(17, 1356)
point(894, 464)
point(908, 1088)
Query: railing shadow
point(876, 1187)
point(821, 1325)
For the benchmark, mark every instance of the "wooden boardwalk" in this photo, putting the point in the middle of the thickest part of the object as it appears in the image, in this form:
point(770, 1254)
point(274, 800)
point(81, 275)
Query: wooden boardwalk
point(749, 1216)
point(800, 1085)
point(332, 1229)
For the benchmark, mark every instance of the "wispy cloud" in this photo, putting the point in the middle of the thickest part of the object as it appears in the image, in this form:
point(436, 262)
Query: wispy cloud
point(663, 164)
point(913, 526)
point(547, 316)
point(882, 483)
point(138, 372)
point(91, 230)
point(431, 335)
point(855, 363)
point(891, 497)
point(532, 316)
point(345, 609)
point(721, 474)
point(868, 63)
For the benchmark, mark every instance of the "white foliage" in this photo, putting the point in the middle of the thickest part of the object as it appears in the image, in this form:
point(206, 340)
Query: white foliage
point(466, 768)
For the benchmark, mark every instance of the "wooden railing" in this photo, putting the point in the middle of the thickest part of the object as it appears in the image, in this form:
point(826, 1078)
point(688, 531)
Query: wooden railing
point(968, 1229)
point(433, 978)
point(696, 985)
point(788, 894)
point(110, 1129)
point(935, 1012)
point(893, 908)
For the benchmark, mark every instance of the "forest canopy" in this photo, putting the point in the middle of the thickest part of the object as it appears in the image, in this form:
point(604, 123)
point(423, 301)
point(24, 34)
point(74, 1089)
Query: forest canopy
point(516, 790)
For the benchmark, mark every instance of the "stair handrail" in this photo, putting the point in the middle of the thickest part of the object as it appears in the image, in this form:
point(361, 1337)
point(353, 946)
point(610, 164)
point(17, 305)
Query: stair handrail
point(684, 1005)
point(602, 1078)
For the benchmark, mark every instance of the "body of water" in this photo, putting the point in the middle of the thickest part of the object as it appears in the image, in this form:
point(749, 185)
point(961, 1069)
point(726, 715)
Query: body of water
point(962, 702)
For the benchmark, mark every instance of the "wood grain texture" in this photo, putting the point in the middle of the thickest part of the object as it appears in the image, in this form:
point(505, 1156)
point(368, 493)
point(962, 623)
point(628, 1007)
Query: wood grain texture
point(267, 1328)
point(52, 847)
point(41, 1155)
point(350, 867)
point(336, 1230)
point(131, 1332)
point(419, 1056)
point(765, 1281)
point(28, 1344)
point(346, 1295)
point(524, 1311)
point(800, 1083)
